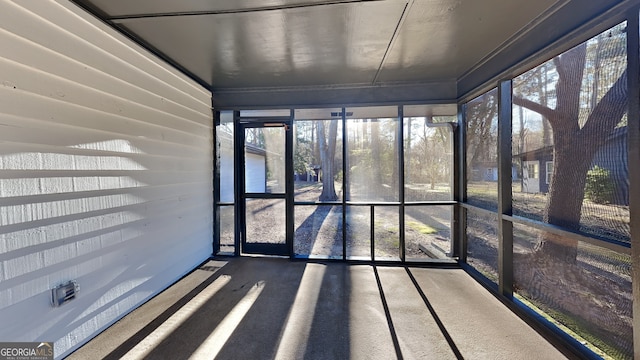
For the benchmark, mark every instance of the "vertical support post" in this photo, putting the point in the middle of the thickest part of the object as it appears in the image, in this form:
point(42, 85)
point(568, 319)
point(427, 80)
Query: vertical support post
point(216, 185)
point(372, 231)
point(288, 151)
point(238, 169)
point(400, 137)
point(633, 133)
point(345, 182)
point(458, 225)
point(505, 227)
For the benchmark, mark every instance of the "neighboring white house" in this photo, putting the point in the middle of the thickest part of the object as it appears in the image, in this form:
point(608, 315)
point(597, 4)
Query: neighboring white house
point(255, 168)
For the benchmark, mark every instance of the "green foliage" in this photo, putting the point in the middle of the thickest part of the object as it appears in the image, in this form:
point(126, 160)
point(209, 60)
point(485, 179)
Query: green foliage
point(599, 185)
point(338, 176)
point(302, 156)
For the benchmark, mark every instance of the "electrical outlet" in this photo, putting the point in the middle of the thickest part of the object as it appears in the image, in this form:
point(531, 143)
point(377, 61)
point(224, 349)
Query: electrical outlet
point(64, 293)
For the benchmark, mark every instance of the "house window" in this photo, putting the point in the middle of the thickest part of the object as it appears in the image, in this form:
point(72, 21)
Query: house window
point(532, 170)
point(549, 171)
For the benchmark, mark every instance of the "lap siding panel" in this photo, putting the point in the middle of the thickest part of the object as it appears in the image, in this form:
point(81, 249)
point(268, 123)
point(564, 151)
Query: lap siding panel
point(105, 173)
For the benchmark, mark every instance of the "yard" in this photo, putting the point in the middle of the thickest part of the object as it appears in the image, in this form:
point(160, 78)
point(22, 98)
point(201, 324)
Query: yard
point(318, 228)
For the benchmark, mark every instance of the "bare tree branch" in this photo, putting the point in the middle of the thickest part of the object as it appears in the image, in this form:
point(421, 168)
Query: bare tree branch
point(608, 113)
point(545, 111)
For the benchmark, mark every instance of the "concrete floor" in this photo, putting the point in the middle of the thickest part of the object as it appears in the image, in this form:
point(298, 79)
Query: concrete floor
point(264, 308)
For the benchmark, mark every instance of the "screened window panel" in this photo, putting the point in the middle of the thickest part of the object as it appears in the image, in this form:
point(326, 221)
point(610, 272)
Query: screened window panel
point(358, 232)
point(227, 227)
point(318, 231)
point(372, 160)
point(589, 293)
point(224, 142)
point(317, 154)
point(427, 232)
point(482, 243)
point(570, 162)
point(266, 221)
point(481, 121)
point(428, 159)
point(386, 234)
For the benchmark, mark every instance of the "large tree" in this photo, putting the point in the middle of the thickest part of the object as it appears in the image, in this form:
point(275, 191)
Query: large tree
point(582, 95)
point(576, 141)
point(327, 148)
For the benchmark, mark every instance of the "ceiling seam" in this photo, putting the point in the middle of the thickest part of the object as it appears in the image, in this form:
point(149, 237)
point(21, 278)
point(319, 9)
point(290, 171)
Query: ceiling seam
point(238, 11)
point(403, 17)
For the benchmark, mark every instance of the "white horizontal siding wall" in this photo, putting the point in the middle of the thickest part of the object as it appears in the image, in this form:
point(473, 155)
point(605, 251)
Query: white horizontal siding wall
point(105, 173)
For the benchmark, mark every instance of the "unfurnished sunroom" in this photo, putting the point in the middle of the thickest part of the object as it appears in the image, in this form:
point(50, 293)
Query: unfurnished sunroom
point(142, 139)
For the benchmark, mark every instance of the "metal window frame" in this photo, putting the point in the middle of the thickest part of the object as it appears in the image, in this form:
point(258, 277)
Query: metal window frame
point(216, 186)
point(345, 203)
point(505, 227)
point(633, 143)
point(240, 124)
point(503, 290)
point(217, 204)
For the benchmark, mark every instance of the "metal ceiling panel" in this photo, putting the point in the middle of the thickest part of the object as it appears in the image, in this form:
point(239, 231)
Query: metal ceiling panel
point(442, 39)
point(138, 8)
point(273, 53)
point(310, 46)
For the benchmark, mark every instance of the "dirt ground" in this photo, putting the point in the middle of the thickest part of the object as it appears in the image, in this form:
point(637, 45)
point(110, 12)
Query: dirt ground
point(319, 233)
point(318, 228)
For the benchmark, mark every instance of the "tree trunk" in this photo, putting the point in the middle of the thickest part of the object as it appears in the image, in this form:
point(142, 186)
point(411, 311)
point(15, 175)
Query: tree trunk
point(327, 155)
point(375, 157)
point(316, 147)
point(395, 177)
point(564, 201)
point(407, 153)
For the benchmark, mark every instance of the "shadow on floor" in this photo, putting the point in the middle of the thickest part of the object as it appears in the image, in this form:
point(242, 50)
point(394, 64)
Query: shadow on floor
point(265, 308)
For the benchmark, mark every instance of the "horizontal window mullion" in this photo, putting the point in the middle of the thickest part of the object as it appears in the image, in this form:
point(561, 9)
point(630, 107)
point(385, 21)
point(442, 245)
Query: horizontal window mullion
point(617, 246)
point(264, 196)
point(364, 203)
point(478, 209)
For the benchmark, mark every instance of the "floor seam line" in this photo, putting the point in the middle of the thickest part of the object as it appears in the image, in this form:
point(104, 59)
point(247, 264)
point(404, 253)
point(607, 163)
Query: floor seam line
point(392, 330)
point(435, 316)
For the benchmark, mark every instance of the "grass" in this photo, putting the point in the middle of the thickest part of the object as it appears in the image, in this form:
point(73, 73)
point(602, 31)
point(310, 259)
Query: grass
point(592, 342)
point(386, 233)
point(421, 228)
point(490, 275)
